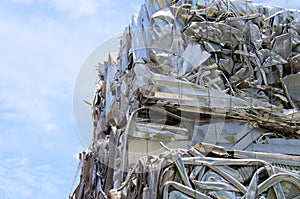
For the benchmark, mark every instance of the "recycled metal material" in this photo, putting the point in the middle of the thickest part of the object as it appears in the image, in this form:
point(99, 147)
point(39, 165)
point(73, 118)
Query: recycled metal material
point(201, 102)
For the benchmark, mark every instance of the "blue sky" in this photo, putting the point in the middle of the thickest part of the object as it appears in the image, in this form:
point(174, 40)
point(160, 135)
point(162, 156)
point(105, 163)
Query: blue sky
point(43, 44)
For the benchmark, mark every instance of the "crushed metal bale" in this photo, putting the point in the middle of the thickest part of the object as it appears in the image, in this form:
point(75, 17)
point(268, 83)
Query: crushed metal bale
point(202, 102)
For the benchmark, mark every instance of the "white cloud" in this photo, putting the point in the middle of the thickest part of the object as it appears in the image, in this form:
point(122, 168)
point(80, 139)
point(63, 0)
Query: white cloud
point(49, 187)
point(42, 49)
point(32, 71)
point(79, 7)
point(71, 7)
point(17, 161)
point(49, 127)
point(38, 66)
point(19, 179)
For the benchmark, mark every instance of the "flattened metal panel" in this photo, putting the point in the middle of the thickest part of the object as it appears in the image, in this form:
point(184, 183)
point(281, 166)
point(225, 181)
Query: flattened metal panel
point(247, 140)
point(275, 148)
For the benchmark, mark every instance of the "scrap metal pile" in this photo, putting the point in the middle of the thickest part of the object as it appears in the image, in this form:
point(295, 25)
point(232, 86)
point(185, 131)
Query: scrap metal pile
point(201, 102)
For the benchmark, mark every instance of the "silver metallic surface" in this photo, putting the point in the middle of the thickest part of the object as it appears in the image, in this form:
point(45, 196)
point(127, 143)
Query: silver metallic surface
point(202, 102)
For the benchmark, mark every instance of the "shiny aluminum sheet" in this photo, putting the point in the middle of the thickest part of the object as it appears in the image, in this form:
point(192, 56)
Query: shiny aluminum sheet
point(202, 102)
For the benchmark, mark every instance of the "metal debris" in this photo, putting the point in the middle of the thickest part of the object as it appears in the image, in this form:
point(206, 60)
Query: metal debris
point(202, 102)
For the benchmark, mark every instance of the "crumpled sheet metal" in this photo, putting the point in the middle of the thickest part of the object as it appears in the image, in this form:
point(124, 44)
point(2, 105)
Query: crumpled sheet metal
point(253, 70)
point(225, 73)
point(216, 176)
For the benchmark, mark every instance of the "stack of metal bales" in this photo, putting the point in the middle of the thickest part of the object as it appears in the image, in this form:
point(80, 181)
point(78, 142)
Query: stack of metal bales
point(201, 102)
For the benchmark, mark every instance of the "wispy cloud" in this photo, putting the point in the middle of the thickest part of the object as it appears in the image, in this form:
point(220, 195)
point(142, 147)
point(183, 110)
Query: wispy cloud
point(70, 7)
point(19, 179)
point(78, 7)
point(39, 61)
